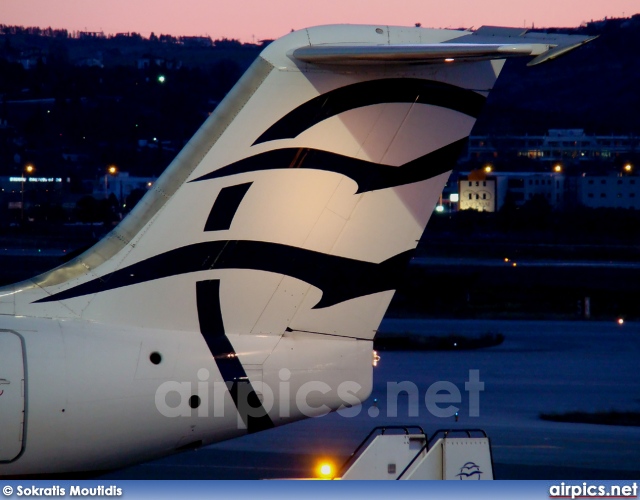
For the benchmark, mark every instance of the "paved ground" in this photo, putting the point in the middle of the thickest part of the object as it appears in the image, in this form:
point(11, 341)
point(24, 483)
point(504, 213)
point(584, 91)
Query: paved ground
point(524, 262)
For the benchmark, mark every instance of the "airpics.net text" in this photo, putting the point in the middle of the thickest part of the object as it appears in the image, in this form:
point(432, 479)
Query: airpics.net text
point(207, 398)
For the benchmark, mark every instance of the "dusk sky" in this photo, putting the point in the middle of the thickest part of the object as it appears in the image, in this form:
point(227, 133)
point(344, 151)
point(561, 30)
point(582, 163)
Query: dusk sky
point(263, 19)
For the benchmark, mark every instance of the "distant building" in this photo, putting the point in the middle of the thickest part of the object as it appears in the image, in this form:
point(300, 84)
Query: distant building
point(489, 192)
point(523, 186)
point(196, 41)
point(18, 184)
point(120, 185)
point(20, 191)
point(609, 191)
point(90, 34)
point(558, 145)
point(478, 193)
point(28, 192)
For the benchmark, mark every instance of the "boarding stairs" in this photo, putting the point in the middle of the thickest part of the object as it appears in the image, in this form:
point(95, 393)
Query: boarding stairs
point(406, 452)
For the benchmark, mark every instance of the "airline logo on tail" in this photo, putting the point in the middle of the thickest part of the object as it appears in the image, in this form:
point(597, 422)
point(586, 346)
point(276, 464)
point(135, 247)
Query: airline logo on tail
point(339, 278)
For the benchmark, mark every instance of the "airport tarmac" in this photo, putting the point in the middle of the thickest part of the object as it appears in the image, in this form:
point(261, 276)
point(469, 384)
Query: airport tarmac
point(542, 367)
point(524, 262)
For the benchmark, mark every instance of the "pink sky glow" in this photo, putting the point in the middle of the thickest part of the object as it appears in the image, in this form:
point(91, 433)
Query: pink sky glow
point(262, 19)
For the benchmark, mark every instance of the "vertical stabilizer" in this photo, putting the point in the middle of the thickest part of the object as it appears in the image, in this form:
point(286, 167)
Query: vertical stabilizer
point(304, 194)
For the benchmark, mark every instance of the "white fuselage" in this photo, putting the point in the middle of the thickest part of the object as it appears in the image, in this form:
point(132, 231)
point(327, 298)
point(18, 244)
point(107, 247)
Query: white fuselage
point(94, 400)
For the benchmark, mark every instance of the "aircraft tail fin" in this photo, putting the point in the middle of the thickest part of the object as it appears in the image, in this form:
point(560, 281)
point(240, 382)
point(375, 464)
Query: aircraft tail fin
point(304, 193)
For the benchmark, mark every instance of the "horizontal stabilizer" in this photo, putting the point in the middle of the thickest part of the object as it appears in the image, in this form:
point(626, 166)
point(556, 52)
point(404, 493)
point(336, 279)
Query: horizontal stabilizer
point(558, 51)
point(486, 43)
point(413, 54)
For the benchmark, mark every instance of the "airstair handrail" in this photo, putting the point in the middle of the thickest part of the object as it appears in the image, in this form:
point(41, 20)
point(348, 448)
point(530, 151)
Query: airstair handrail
point(383, 429)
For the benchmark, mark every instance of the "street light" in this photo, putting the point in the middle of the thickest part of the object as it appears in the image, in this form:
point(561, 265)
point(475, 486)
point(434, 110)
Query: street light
point(325, 470)
point(111, 170)
point(28, 169)
point(488, 169)
point(628, 167)
point(557, 168)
